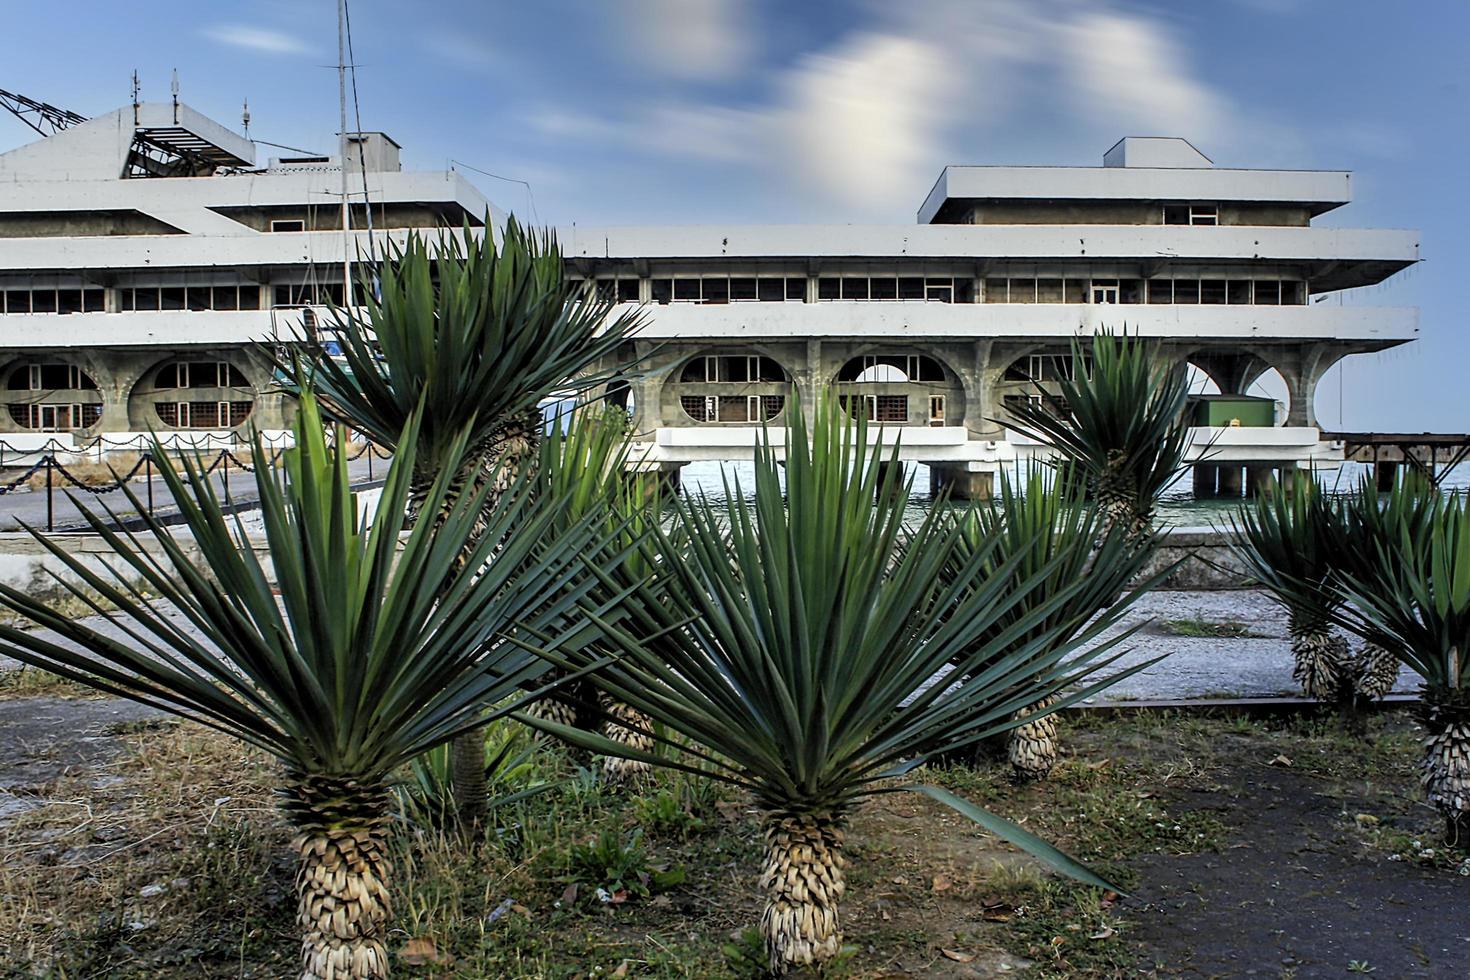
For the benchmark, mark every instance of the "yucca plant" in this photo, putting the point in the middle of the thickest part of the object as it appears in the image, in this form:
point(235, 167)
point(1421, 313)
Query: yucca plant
point(370, 648)
point(790, 647)
point(479, 334)
point(1052, 536)
point(1409, 592)
point(1290, 540)
point(1118, 425)
point(585, 465)
point(426, 794)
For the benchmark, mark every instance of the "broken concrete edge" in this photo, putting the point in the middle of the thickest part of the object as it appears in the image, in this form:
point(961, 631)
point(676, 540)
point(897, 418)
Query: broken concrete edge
point(1237, 707)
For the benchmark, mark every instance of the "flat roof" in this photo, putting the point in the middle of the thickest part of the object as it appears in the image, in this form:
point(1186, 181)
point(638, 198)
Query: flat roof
point(1322, 190)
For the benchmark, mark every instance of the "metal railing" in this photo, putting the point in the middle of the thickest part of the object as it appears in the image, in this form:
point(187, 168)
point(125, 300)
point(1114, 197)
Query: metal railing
point(59, 477)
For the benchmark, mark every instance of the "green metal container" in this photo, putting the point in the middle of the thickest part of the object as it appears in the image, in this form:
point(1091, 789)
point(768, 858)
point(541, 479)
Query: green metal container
point(1230, 410)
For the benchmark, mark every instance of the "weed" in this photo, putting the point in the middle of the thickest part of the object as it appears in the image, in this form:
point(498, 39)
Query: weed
point(1198, 626)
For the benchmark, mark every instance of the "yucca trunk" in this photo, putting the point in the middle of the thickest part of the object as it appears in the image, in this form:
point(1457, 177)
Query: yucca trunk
point(626, 726)
point(495, 463)
point(1377, 671)
point(1444, 770)
point(1032, 747)
point(342, 904)
point(803, 882)
point(1320, 658)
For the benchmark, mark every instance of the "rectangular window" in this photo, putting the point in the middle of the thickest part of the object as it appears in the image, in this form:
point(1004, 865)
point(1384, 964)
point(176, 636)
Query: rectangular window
point(1023, 290)
point(197, 298)
point(289, 224)
point(1293, 293)
point(1048, 290)
point(171, 298)
point(829, 287)
point(1268, 292)
point(68, 301)
point(1176, 214)
point(890, 408)
point(1130, 291)
point(43, 301)
point(939, 290)
point(743, 288)
point(854, 287)
point(910, 287)
point(686, 290)
point(770, 290)
point(662, 291)
point(883, 288)
point(224, 297)
point(716, 289)
point(1075, 290)
point(1212, 292)
point(796, 289)
point(997, 291)
point(1238, 292)
point(1186, 291)
point(1204, 215)
point(17, 300)
point(1161, 290)
point(628, 290)
point(94, 300)
point(936, 409)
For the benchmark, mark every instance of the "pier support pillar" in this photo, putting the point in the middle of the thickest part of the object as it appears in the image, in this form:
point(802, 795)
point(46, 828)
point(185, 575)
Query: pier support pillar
point(890, 476)
point(1205, 475)
point(962, 484)
point(1228, 481)
point(1384, 474)
point(665, 479)
point(1260, 480)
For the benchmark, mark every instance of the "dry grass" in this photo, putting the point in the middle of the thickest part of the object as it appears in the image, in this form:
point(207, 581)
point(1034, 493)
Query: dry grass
point(175, 844)
point(92, 474)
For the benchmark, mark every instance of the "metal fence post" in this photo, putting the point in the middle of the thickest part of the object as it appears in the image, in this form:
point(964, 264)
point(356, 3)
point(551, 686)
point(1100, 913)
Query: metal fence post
point(50, 508)
point(225, 461)
point(370, 460)
point(148, 463)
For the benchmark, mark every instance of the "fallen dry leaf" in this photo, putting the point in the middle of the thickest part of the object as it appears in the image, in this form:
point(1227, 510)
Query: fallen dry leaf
point(622, 970)
point(1106, 932)
point(569, 894)
point(957, 956)
point(942, 883)
point(1280, 760)
point(421, 952)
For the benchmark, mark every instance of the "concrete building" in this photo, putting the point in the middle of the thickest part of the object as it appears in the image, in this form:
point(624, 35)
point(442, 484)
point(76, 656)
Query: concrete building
point(934, 329)
point(144, 256)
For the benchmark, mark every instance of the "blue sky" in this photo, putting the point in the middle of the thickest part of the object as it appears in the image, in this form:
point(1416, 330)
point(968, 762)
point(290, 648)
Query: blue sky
point(690, 111)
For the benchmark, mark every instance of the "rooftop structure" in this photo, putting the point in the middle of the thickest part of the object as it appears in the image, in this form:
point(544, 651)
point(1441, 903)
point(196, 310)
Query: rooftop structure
point(144, 253)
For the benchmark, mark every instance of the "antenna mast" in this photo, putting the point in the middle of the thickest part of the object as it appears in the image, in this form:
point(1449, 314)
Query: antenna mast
point(342, 152)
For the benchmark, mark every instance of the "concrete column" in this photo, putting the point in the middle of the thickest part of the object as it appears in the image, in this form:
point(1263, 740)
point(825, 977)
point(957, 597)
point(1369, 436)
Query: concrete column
point(665, 479)
point(1228, 481)
point(1384, 474)
point(1260, 481)
point(1204, 480)
point(1290, 473)
point(890, 475)
point(962, 484)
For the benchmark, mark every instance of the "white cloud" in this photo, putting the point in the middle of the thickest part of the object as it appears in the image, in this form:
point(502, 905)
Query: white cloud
point(862, 123)
point(257, 39)
point(866, 123)
point(694, 39)
point(1129, 71)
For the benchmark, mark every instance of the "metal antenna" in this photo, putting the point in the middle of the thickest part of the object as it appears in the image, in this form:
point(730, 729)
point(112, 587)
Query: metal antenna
point(174, 88)
point(135, 96)
point(245, 117)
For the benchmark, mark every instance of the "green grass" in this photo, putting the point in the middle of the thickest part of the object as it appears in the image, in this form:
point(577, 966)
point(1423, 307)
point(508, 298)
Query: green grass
point(1198, 626)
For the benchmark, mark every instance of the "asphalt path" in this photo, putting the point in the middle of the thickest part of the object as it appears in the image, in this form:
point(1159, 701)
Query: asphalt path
point(235, 487)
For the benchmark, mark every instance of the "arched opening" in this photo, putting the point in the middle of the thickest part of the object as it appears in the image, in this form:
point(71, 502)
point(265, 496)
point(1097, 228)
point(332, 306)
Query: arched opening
point(1270, 384)
point(738, 387)
point(900, 388)
point(1035, 379)
point(193, 394)
point(1200, 382)
point(51, 396)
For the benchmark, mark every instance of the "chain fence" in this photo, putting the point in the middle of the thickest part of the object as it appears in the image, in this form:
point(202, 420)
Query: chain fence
point(59, 476)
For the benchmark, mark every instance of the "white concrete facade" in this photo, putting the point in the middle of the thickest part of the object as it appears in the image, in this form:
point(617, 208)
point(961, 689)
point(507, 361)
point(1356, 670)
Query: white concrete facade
point(144, 257)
